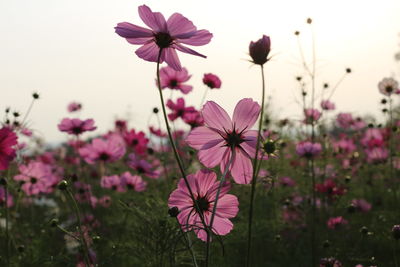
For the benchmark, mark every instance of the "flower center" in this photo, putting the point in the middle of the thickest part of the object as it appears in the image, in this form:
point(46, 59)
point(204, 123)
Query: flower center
point(104, 156)
point(33, 180)
point(163, 39)
point(202, 203)
point(233, 139)
point(140, 170)
point(77, 130)
point(173, 83)
point(134, 142)
point(389, 89)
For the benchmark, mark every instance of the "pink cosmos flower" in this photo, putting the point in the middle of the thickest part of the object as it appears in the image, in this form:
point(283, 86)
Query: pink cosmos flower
point(388, 86)
point(222, 135)
point(330, 188)
point(212, 81)
point(194, 119)
point(308, 150)
point(166, 35)
point(27, 132)
point(76, 126)
point(361, 205)
point(343, 146)
point(377, 154)
point(311, 115)
point(74, 106)
point(136, 140)
point(37, 178)
point(142, 166)
point(112, 182)
point(336, 222)
point(179, 110)
point(157, 132)
point(287, 181)
point(204, 185)
point(109, 150)
point(260, 49)
point(344, 120)
point(8, 139)
point(327, 105)
point(133, 182)
point(173, 79)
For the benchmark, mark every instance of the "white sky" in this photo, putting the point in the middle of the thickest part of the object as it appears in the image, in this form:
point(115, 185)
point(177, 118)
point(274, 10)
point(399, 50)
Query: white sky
point(68, 50)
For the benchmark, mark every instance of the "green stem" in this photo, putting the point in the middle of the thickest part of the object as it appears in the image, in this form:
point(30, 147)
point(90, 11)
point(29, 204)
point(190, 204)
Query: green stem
point(83, 240)
point(188, 244)
point(7, 239)
point(254, 178)
point(177, 157)
point(204, 96)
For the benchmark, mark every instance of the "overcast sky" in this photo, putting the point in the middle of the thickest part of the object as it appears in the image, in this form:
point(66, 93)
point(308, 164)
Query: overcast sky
point(68, 50)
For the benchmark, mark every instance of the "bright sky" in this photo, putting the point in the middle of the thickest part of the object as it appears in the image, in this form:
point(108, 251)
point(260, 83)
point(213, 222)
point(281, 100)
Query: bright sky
point(67, 50)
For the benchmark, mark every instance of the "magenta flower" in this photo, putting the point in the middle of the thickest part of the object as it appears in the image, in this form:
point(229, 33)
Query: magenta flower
point(136, 140)
point(260, 49)
point(37, 178)
point(8, 139)
point(76, 126)
point(100, 150)
point(74, 106)
point(212, 81)
point(204, 185)
point(194, 119)
point(173, 79)
point(222, 135)
point(142, 166)
point(112, 182)
point(377, 155)
point(133, 182)
point(345, 120)
point(166, 35)
point(179, 110)
point(308, 150)
point(336, 222)
point(157, 132)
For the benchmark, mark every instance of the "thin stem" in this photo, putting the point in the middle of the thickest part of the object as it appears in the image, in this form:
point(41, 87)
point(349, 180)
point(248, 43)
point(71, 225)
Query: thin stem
point(28, 111)
point(204, 96)
point(83, 240)
point(177, 157)
point(7, 239)
point(394, 254)
point(254, 178)
point(221, 183)
point(189, 244)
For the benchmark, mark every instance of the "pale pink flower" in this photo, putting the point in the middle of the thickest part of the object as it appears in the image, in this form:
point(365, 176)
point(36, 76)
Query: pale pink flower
point(388, 86)
point(173, 79)
point(327, 105)
point(166, 35)
point(204, 185)
point(109, 150)
point(112, 182)
point(361, 205)
point(336, 222)
point(133, 182)
point(221, 136)
point(308, 150)
point(76, 126)
point(344, 120)
point(142, 167)
point(311, 115)
point(377, 154)
point(212, 81)
point(74, 106)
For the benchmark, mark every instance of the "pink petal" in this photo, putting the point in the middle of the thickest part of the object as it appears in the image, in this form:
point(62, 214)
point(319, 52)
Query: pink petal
point(148, 52)
point(203, 138)
point(185, 89)
point(172, 59)
point(129, 30)
point(196, 38)
point(227, 206)
point(154, 20)
point(206, 180)
point(249, 146)
point(213, 156)
point(245, 114)
point(221, 226)
point(216, 117)
point(178, 24)
point(187, 50)
point(179, 199)
point(242, 170)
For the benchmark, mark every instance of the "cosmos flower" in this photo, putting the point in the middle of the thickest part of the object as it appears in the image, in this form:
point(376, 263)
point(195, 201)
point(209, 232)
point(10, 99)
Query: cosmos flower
point(204, 185)
point(336, 222)
point(142, 166)
point(212, 81)
point(109, 150)
point(260, 49)
point(221, 136)
point(173, 79)
point(308, 150)
point(76, 126)
point(112, 182)
point(327, 105)
point(136, 140)
point(8, 139)
point(179, 110)
point(311, 115)
point(168, 35)
point(74, 106)
point(388, 86)
point(133, 182)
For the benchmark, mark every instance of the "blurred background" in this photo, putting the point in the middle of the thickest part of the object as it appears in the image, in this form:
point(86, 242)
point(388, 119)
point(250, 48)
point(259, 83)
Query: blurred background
point(68, 51)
